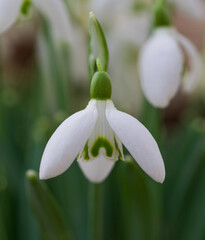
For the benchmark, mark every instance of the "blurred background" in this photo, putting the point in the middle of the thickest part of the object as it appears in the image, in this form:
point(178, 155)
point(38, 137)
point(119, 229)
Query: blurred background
point(44, 79)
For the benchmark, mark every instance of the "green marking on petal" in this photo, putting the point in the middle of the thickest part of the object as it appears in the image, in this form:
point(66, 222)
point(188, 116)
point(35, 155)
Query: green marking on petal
point(102, 142)
point(116, 146)
point(85, 151)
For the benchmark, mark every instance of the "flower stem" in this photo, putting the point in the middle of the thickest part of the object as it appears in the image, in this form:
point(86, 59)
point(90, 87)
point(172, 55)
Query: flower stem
point(152, 119)
point(95, 213)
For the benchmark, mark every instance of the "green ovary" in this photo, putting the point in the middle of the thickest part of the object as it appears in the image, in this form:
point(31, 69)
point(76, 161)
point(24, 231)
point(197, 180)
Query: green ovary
point(102, 142)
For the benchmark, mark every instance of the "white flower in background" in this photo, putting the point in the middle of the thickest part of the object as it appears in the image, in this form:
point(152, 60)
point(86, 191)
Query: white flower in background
point(123, 28)
point(62, 29)
point(96, 135)
point(54, 10)
point(161, 65)
point(194, 8)
point(9, 11)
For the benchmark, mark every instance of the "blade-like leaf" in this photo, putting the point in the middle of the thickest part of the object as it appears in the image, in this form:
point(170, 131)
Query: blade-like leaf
point(46, 209)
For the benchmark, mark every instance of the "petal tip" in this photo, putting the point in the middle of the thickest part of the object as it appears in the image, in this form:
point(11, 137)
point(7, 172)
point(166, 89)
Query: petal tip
point(161, 177)
point(96, 171)
point(43, 175)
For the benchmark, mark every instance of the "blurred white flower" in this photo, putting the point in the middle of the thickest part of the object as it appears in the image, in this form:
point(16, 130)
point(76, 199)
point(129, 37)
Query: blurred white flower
point(96, 135)
point(194, 8)
point(53, 10)
point(9, 11)
point(161, 64)
point(124, 29)
point(62, 29)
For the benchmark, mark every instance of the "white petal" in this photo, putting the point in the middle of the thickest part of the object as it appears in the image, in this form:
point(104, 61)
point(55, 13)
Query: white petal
point(9, 11)
point(193, 75)
point(160, 67)
point(96, 170)
point(67, 141)
point(138, 141)
point(55, 11)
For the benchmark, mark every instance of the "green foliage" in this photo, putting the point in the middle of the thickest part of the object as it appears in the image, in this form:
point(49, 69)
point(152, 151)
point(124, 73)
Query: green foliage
point(45, 208)
point(128, 205)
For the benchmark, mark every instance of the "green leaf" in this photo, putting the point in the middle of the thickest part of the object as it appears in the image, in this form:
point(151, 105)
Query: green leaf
point(151, 118)
point(184, 160)
point(46, 209)
point(193, 225)
point(95, 207)
point(140, 199)
point(97, 46)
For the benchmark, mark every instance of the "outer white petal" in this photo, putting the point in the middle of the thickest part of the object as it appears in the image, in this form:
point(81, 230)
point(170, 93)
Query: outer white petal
point(67, 141)
point(138, 141)
point(193, 75)
point(97, 170)
point(160, 67)
point(9, 11)
point(55, 11)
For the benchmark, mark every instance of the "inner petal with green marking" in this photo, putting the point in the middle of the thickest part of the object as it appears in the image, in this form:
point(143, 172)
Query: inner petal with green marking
point(102, 141)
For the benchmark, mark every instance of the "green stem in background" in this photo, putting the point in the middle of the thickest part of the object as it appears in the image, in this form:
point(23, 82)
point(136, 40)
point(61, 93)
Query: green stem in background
point(3, 208)
point(95, 214)
point(140, 196)
point(152, 119)
point(54, 58)
point(46, 209)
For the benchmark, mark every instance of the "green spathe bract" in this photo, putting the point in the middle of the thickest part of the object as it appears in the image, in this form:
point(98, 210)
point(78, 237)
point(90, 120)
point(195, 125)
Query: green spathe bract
point(97, 46)
point(101, 88)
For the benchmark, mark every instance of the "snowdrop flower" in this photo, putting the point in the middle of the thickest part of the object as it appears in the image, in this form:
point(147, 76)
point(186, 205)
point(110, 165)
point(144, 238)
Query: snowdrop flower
point(96, 135)
point(161, 64)
point(53, 10)
point(61, 27)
